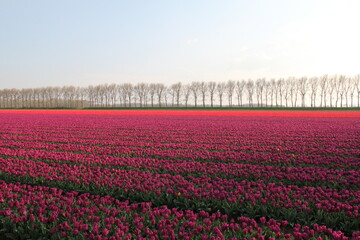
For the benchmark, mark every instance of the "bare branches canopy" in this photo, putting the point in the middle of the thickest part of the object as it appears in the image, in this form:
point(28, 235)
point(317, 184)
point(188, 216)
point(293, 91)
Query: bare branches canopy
point(322, 91)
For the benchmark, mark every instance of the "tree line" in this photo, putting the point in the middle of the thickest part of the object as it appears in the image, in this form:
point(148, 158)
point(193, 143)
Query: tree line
point(324, 91)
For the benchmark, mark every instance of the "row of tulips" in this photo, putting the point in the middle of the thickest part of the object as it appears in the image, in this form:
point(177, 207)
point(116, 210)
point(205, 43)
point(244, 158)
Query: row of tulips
point(315, 137)
point(296, 204)
point(279, 158)
point(207, 133)
point(309, 176)
point(49, 213)
point(289, 144)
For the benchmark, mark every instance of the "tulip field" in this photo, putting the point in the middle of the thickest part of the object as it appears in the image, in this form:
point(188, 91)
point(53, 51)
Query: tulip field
point(176, 174)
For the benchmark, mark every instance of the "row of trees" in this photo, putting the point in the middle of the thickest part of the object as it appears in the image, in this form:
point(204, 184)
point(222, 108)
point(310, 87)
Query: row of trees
point(324, 91)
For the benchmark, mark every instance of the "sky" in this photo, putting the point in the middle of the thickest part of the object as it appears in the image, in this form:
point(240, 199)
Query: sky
point(89, 42)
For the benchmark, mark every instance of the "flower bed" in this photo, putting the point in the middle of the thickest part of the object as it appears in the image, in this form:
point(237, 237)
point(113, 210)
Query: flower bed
point(258, 171)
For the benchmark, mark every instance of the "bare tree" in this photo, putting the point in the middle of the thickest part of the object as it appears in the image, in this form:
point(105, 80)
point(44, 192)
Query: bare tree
point(16, 97)
point(302, 87)
point(105, 91)
point(32, 98)
point(172, 92)
point(166, 94)
point(28, 97)
point(332, 86)
point(267, 92)
point(112, 88)
point(293, 91)
point(357, 86)
point(239, 89)
point(128, 92)
point(49, 97)
point(43, 96)
point(323, 89)
point(287, 87)
point(347, 90)
point(10, 98)
point(203, 91)
point(89, 91)
point(76, 96)
point(259, 86)
point(146, 94)
point(195, 87)
point(68, 94)
point(340, 89)
point(212, 88)
point(177, 89)
point(119, 94)
point(280, 88)
point(138, 94)
point(152, 91)
point(65, 96)
point(313, 90)
point(220, 87)
point(82, 94)
point(273, 92)
point(160, 89)
point(102, 95)
point(230, 87)
point(2, 105)
point(187, 91)
point(343, 86)
point(22, 98)
point(72, 96)
point(352, 90)
point(5, 98)
point(37, 99)
point(140, 90)
point(250, 90)
point(98, 96)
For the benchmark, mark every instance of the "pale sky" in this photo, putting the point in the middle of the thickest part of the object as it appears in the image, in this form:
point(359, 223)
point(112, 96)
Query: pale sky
point(83, 42)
